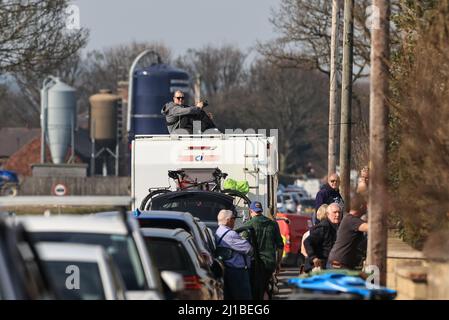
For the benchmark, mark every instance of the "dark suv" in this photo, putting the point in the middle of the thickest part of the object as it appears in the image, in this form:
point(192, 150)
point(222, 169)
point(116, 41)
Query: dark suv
point(204, 205)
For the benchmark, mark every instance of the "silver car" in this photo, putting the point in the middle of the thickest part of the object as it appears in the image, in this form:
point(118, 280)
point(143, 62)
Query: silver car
point(81, 272)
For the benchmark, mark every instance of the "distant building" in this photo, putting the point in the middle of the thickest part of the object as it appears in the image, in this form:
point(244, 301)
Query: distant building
point(12, 139)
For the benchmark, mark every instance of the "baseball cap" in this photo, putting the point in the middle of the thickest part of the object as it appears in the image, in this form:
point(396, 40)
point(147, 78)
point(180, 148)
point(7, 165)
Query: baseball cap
point(256, 206)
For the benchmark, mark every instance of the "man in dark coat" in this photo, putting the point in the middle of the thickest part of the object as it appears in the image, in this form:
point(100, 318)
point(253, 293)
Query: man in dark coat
point(322, 238)
point(269, 247)
point(328, 194)
point(345, 253)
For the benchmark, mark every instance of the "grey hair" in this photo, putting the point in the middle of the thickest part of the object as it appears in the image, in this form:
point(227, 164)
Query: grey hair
point(328, 209)
point(223, 216)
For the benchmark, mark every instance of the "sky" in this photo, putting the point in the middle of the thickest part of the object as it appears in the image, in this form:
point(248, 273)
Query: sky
point(179, 24)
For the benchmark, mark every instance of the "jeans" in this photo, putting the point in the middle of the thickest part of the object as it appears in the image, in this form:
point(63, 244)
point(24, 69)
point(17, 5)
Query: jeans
point(206, 123)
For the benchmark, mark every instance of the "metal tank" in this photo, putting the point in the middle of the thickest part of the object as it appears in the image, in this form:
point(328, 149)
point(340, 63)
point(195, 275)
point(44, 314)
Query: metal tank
point(60, 113)
point(103, 117)
point(152, 88)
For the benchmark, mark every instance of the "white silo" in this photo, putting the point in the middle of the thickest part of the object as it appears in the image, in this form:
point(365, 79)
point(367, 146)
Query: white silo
point(59, 111)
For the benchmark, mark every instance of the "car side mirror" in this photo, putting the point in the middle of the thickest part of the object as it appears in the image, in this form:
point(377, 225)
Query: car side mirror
point(173, 280)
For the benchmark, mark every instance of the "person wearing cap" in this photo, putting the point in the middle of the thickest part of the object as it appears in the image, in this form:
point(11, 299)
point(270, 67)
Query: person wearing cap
point(269, 247)
point(236, 277)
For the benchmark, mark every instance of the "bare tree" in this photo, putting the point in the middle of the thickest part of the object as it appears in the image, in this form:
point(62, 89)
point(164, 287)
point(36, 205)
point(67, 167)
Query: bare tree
point(97, 70)
point(292, 101)
point(35, 33)
point(104, 68)
point(220, 68)
point(305, 35)
point(13, 110)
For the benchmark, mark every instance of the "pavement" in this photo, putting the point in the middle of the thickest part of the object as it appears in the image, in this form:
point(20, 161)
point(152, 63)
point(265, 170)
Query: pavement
point(284, 275)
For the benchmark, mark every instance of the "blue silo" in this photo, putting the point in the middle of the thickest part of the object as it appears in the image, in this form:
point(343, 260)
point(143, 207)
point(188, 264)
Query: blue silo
point(153, 87)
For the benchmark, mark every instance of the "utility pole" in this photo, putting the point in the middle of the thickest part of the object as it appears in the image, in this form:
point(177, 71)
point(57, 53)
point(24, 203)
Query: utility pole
point(346, 102)
point(333, 109)
point(378, 198)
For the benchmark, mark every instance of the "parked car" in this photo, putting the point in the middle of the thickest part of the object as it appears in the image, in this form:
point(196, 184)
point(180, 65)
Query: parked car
point(120, 238)
point(9, 183)
point(174, 220)
point(300, 191)
point(98, 276)
point(22, 276)
point(204, 205)
point(307, 207)
point(286, 202)
point(175, 250)
point(208, 235)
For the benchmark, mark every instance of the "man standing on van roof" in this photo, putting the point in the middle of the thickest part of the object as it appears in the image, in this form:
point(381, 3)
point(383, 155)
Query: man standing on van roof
point(269, 246)
point(181, 116)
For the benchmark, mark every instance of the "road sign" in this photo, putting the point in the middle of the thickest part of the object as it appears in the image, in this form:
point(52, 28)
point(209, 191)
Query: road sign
point(60, 190)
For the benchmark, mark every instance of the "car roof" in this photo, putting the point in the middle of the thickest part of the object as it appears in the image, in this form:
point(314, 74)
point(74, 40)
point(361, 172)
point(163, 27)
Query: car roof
point(52, 251)
point(178, 234)
point(74, 224)
point(186, 216)
point(176, 194)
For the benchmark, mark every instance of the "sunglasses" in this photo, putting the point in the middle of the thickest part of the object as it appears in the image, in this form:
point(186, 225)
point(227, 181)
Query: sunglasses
point(180, 98)
point(334, 181)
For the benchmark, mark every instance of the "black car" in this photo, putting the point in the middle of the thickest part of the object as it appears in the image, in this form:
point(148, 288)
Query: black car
point(204, 205)
point(175, 250)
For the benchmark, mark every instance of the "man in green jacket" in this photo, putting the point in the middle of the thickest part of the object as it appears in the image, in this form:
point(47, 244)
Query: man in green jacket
point(269, 246)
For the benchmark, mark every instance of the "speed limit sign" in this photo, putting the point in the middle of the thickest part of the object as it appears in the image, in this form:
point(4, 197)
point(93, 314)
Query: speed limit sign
point(60, 190)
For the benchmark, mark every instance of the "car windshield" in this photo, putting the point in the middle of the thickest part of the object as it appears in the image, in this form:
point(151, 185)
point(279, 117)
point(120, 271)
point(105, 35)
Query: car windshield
point(204, 207)
point(121, 247)
point(75, 280)
point(168, 254)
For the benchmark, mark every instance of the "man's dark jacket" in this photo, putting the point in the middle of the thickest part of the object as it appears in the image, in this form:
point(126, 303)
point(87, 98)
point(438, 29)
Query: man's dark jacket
point(320, 242)
point(326, 195)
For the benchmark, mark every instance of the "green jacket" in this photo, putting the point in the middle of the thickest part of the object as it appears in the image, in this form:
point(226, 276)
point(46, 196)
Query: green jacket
point(268, 239)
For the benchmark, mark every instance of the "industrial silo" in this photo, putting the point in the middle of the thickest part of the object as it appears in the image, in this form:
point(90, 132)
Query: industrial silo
point(153, 87)
point(103, 117)
point(103, 126)
point(61, 112)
